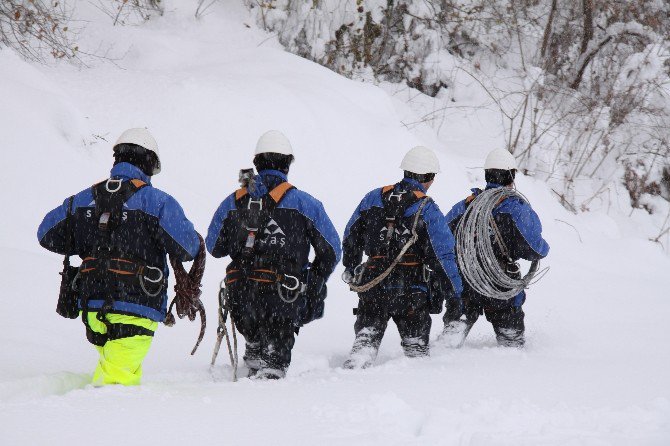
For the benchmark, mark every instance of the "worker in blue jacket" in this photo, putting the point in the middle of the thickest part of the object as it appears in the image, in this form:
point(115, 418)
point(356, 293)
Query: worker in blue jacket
point(268, 227)
point(122, 228)
point(521, 233)
point(410, 265)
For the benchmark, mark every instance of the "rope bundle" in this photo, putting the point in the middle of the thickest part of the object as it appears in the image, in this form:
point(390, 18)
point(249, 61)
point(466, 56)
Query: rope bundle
point(474, 246)
point(187, 292)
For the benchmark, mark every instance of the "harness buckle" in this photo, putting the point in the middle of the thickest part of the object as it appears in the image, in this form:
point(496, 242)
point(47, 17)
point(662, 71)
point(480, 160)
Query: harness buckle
point(251, 238)
point(110, 181)
point(103, 223)
point(258, 202)
point(397, 196)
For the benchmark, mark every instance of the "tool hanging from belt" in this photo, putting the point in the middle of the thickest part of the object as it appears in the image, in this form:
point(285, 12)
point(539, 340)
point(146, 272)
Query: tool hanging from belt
point(187, 292)
point(289, 287)
point(124, 273)
point(222, 331)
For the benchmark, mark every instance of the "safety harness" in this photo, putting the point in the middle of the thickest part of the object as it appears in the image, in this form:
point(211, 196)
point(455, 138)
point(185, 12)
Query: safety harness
point(109, 265)
point(396, 203)
point(253, 263)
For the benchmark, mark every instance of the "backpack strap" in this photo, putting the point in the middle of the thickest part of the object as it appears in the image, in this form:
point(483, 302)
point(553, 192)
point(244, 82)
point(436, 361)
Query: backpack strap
point(258, 213)
point(240, 193)
point(395, 205)
point(109, 196)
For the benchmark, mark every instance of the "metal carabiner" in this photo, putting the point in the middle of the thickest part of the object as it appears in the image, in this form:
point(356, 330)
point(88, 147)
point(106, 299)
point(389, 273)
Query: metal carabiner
point(160, 274)
point(118, 187)
point(294, 287)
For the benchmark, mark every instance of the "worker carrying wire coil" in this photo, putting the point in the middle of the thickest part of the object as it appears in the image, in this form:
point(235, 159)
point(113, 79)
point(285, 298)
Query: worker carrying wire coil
point(494, 228)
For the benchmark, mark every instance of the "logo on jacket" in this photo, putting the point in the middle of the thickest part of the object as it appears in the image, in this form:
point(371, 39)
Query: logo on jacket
point(400, 233)
point(274, 233)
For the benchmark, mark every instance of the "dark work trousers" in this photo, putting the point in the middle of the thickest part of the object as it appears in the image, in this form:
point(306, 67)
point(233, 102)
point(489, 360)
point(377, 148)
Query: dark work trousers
point(408, 309)
point(506, 318)
point(267, 327)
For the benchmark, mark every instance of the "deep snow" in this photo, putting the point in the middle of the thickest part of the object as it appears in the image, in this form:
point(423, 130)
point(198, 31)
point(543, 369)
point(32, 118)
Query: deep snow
point(595, 370)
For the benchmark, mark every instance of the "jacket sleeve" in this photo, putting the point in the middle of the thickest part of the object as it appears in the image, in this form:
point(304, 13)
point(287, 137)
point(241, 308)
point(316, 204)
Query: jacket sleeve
point(353, 244)
point(51, 233)
point(217, 243)
point(441, 243)
point(179, 238)
point(324, 239)
point(526, 234)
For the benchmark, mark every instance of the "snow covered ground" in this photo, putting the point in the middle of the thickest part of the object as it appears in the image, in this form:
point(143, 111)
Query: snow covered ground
point(595, 370)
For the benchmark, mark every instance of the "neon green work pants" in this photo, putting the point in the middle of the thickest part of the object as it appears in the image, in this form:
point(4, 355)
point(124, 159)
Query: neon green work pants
point(121, 359)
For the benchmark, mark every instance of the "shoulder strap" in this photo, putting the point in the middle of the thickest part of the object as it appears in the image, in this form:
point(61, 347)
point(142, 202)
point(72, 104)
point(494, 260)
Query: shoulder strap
point(110, 195)
point(395, 204)
point(240, 193)
point(278, 193)
point(257, 213)
point(267, 202)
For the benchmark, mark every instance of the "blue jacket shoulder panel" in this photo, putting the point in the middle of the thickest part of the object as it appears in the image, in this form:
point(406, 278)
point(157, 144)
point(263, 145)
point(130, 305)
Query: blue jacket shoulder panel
point(371, 199)
point(57, 215)
point(172, 219)
point(456, 211)
point(527, 222)
point(216, 224)
point(170, 215)
point(313, 209)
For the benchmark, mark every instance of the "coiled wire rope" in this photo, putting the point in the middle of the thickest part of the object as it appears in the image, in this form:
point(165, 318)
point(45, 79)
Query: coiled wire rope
point(475, 234)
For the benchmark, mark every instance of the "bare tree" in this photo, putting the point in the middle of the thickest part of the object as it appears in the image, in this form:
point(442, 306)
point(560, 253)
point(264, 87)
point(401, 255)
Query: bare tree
point(36, 29)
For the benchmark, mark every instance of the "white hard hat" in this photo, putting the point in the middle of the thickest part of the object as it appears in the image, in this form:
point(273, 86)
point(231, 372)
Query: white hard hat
point(273, 141)
point(420, 160)
point(500, 159)
point(142, 138)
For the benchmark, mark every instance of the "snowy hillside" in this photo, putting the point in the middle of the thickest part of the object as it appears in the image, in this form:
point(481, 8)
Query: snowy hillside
point(595, 369)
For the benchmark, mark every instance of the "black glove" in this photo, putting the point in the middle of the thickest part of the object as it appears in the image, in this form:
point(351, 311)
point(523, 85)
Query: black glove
point(315, 294)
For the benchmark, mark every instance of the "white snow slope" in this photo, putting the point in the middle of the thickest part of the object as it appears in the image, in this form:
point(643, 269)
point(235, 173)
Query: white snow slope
point(595, 370)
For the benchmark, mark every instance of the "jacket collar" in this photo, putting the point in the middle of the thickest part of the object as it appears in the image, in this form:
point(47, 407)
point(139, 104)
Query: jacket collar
point(127, 171)
point(274, 173)
point(493, 186)
point(414, 184)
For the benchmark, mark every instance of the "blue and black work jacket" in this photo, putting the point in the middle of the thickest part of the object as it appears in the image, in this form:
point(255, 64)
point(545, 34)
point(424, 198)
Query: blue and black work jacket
point(298, 223)
point(152, 226)
point(520, 229)
point(366, 233)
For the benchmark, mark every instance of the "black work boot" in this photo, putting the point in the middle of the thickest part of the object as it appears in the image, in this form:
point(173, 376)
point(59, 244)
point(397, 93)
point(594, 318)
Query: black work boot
point(252, 357)
point(415, 347)
point(510, 337)
point(454, 333)
point(269, 373)
point(364, 351)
